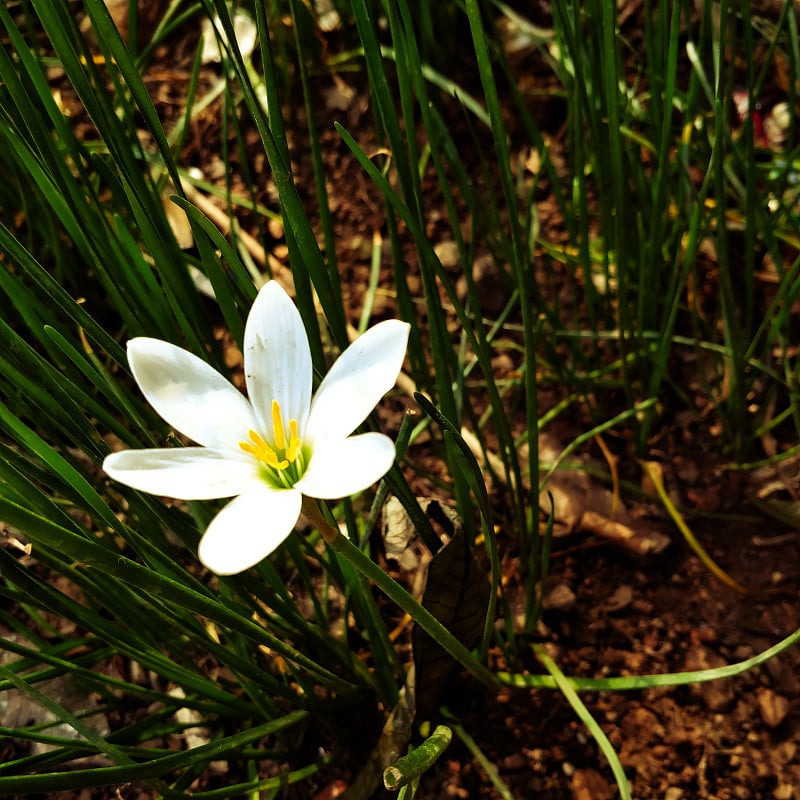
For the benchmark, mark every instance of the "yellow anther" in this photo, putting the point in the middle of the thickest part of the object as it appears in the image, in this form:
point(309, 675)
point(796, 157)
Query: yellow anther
point(262, 451)
point(293, 450)
point(280, 454)
point(277, 426)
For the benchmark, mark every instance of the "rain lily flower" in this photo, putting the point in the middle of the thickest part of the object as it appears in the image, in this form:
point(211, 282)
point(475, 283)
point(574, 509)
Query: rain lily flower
point(271, 450)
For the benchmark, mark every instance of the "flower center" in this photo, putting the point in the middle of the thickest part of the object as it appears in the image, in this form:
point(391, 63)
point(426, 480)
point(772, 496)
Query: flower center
point(284, 459)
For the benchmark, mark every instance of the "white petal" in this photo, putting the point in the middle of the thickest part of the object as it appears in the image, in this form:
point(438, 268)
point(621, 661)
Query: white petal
point(277, 359)
point(186, 473)
point(357, 381)
point(339, 469)
point(249, 528)
point(190, 394)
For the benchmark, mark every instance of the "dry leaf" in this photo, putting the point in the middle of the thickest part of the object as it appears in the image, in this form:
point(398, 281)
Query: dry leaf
point(244, 31)
point(580, 503)
point(18, 709)
point(457, 594)
point(397, 535)
point(391, 745)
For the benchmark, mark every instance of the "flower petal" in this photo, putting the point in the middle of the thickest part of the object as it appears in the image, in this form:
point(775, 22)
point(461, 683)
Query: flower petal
point(277, 359)
point(341, 468)
point(249, 528)
point(186, 473)
point(190, 394)
point(357, 381)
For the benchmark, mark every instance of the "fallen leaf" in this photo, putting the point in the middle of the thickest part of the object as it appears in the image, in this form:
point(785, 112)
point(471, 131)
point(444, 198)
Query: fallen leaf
point(19, 710)
point(398, 532)
point(457, 594)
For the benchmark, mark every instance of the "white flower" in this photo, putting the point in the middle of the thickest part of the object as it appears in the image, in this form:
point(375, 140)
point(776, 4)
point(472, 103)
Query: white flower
point(271, 450)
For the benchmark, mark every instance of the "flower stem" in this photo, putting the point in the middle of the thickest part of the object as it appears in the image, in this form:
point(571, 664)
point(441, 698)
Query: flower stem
point(397, 594)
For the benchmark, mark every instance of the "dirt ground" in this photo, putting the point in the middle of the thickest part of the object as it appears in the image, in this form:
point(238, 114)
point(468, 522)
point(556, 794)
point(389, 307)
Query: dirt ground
point(625, 614)
point(725, 739)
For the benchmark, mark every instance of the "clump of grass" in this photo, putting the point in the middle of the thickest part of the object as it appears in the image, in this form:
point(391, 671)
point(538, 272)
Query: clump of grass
point(653, 177)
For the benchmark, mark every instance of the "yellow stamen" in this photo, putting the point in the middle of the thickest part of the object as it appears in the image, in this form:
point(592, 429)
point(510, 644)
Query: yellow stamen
point(262, 451)
point(277, 426)
point(293, 450)
point(280, 454)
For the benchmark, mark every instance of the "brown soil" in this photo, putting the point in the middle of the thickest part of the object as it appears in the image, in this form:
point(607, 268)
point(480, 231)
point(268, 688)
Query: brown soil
point(736, 738)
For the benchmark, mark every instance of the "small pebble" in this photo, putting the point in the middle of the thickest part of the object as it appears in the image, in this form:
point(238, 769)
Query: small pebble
point(773, 707)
